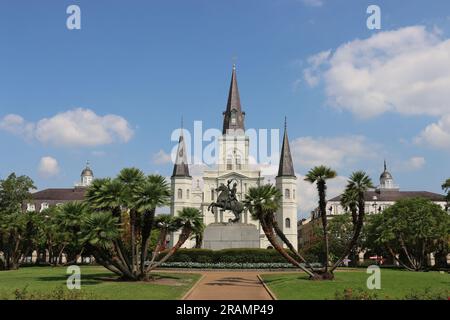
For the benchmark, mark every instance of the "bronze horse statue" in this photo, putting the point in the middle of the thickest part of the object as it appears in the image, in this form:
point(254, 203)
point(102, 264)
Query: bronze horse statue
point(226, 201)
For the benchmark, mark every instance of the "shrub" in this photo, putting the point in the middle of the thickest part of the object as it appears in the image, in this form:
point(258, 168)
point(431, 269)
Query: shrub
point(355, 294)
point(59, 293)
point(428, 294)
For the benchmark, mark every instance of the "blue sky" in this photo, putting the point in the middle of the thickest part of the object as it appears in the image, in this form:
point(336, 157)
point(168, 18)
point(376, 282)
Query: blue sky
point(150, 62)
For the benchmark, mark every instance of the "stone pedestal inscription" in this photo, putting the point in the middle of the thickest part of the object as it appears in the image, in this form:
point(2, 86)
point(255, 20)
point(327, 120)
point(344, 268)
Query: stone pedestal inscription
point(219, 236)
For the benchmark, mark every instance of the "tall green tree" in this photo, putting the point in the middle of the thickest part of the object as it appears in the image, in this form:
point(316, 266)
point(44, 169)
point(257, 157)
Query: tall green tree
point(319, 175)
point(14, 225)
point(410, 230)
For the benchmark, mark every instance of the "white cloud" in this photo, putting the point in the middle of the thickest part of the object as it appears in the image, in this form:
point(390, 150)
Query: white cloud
point(436, 135)
point(76, 127)
point(162, 157)
point(315, 62)
point(335, 152)
point(405, 71)
point(307, 199)
point(313, 3)
point(414, 163)
point(17, 125)
point(48, 167)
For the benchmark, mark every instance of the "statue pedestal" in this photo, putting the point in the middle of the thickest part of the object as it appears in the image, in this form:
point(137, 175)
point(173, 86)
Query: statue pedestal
point(219, 236)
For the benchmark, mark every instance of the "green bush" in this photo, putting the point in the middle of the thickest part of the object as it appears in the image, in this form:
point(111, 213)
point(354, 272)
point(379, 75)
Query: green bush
point(360, 294)
point(56, 294)
point(227, 256)
point(227, 265)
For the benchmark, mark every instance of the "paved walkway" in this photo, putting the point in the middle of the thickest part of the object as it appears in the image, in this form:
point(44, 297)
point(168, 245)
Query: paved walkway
point(229, 286)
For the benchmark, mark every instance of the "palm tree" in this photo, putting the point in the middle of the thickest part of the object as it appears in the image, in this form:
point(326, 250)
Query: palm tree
point(263, 202)
point(131, 178)
point(190, 220)
point(152, 193)
point(320, 175)
point(106, 194)
point(100, 232)
point(349, 201)
point(68, 219)
point(359, 183)
point(446, 187)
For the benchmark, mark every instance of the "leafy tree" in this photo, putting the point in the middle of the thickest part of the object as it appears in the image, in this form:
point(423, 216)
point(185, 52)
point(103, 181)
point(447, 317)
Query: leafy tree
point(15, 226)
point(410, 230)
point(319, 175)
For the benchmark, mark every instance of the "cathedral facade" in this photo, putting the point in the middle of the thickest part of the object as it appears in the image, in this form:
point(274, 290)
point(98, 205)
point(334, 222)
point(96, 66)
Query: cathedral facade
point(234, 172)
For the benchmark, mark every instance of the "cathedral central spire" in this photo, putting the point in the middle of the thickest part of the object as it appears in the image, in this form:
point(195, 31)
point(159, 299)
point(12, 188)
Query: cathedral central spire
point(233, 115)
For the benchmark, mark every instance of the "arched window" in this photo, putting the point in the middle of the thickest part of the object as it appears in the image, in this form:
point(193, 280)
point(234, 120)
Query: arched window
point(180, 194)
point(233, 117)
point(287, 193)
point(293, 194)
point(187, 194)
point(287, 223)
point(229, 163)
point(212, 194)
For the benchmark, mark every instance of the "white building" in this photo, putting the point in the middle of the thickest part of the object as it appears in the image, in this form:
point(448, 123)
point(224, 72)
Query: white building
point(376, 200)
point(385, 195)
point(233, 164)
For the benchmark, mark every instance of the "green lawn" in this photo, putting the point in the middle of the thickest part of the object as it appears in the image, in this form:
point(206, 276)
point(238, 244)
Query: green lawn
point(395, 284)
point(96, 283)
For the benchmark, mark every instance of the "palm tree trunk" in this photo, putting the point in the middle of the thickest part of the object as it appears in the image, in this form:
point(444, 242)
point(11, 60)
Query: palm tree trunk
point(353, 241)
point(268, 231)
point(181, 240)
point(161, 240)
point(283, 237)
point(133, 241)
point(146, 232)
point(321, 188)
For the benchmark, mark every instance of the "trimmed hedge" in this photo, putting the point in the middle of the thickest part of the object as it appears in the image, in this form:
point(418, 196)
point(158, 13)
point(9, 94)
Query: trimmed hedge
point(227, 265)
point(227, 256)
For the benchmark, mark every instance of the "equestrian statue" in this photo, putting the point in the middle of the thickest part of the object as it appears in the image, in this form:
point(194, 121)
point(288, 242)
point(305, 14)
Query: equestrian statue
point(227, 200)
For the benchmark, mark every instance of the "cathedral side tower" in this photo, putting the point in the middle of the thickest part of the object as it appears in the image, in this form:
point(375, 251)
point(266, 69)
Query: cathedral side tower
point(286, 182)
point(181, 184)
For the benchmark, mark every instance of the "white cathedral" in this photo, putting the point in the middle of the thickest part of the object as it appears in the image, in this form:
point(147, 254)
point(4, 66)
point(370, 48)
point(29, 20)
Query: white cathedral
point(233, 165)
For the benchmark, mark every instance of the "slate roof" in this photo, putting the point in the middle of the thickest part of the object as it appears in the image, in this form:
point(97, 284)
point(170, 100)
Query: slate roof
point(61, 194)
point(395, 195)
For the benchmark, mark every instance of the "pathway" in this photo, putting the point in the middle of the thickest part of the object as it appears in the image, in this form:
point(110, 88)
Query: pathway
point(229, 285)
